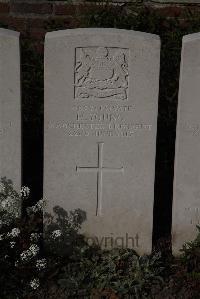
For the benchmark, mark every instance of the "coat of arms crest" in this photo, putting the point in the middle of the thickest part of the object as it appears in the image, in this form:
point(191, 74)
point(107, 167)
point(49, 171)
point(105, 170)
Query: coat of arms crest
point(101, 73)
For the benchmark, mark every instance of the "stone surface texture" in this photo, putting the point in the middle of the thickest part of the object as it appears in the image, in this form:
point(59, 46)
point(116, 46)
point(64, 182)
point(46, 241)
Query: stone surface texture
point(10, 107)
point(101, 96)
point(186, 201)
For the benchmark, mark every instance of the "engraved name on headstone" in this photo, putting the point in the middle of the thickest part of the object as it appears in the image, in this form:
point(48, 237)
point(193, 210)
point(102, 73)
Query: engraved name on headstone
point(10, 107)
point(186, 200)
point(101, 94)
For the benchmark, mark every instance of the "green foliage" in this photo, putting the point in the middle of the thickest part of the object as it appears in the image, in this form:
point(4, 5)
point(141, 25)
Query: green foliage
point(122, 271)
point(15, 240)
point(63, 265)
point(191, 255)
point(67, 225)
point(189, 247)
point(66, 262)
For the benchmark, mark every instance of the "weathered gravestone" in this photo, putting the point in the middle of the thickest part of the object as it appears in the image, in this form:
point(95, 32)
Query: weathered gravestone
point(186, 202)
point(10, 107)
point(101, 94)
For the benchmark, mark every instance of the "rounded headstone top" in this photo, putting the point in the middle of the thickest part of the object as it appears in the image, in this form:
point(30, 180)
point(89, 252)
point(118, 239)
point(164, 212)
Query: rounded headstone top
point(101, 31)
point(7, 32)
point(191, 37)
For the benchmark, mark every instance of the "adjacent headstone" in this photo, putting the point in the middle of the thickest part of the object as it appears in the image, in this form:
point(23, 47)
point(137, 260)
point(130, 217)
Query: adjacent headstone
point(186, 201)
point(101, 96)
point(10, 107)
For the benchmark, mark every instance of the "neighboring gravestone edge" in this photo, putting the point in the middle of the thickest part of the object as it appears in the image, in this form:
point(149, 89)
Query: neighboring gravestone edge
point(186, 193)
point(103, 31)
point(9, 33)
point(10, 107)
point(190, 37)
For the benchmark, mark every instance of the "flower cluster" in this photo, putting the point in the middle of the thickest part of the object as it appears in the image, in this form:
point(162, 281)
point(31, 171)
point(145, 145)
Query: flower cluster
point(20, 240)
point(56, 234)
point(14, 233)
point(41, 264)
point(10, 202)
point(34, 237)
point(25, 192)
point(30, 253)
point(12, 244)
point(2, 187)
point(38, 207)
point(35, 283)
point(72, 220)
point(9, 205)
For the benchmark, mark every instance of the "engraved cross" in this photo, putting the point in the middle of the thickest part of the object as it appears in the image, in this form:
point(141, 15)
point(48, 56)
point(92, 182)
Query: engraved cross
point(99, 170)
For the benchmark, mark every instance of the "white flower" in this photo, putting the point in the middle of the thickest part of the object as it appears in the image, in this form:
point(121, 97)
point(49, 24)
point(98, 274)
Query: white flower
point(73, 221)
point(26, 255)
point(14, 233)
point(16, 263)
point(25, 191)
point(38, 207)
point(34, 237)
point(30, 253)
point(41, 264)
point(56, 233)
point(1, 237)
point(2, 188)
point(11, 206)
point(6, 203)
point(34, 249)
point(35, 283)
point(12, 244)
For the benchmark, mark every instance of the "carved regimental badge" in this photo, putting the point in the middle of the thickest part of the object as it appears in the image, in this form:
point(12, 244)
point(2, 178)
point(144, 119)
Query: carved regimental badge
point(101, 73)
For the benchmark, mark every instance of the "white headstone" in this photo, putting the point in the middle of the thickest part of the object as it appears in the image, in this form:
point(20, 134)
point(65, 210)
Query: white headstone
point(186, 201)
point(10, 107)
point(101, 95)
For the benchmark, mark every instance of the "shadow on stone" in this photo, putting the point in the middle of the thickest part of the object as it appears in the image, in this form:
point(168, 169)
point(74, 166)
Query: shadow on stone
point(61, 231)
